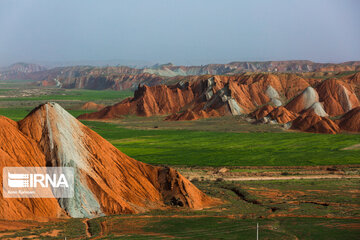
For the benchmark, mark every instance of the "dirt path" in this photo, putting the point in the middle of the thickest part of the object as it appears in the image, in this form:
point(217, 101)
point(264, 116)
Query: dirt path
point(102, 230)
point(290, 177)
point(234, 177)
point(356, 146)
point(86, 222)
point(269, 173)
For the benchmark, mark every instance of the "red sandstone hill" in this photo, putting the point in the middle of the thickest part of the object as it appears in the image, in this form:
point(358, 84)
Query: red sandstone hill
point(262, 112)
point(226, 95)
point(148, 101)
point(304, 100)
point(191, 115)
point(107, 181)
point(282, 115)
point(331, 97)
point(92, 106)
point(351, 120)
point(18, 150)
point(311, 122)
point(269, 113)
point(213, 96)
point(337, 96)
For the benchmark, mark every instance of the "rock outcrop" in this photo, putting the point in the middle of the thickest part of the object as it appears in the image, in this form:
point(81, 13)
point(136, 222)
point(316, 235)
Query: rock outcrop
point(270, 114)
point(191, 115)
point(337, 97)
point(207, 95)
point(262, 112)
point(311, 122)
point(281, 115)
point(350, 121)
point(243, 94)
point(147, 101)
point(92, 106)
point(303, 101)
point(106, 180)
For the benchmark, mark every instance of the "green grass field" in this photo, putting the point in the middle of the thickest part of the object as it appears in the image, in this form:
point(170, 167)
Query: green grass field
point(207, 148)
point(16, 107)
point(203, 227)
point(225, 228)
point(211, 148)
point(75, 95)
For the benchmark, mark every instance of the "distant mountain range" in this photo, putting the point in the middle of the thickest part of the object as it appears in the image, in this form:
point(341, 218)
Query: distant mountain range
point(122, 77)
point(240, 67)
point(20, 71)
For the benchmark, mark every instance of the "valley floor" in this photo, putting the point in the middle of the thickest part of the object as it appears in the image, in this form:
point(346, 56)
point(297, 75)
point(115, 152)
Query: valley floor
point(295, 185)
point(296, 209)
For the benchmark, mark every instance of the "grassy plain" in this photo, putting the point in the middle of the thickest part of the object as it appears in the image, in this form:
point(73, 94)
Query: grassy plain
point(211, 148)
point(218, 148)
point(71, 95)
point(18, 99)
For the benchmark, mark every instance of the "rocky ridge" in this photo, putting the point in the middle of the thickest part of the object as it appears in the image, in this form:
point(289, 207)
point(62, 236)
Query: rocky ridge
point(288, 97)
point(122, 77)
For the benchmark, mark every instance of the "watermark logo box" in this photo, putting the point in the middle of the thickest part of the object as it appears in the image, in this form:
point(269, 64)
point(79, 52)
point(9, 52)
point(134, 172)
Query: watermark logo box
point(38, 182)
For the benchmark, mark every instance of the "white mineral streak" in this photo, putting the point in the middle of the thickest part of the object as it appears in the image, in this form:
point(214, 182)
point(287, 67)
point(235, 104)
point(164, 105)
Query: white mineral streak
point(271, 92)
point(319, 109)
point(274, 96)
point(224, 94)
point(348, 105)
point(234, 107)
point(209, 91)
point(209, 94)
point(310, 96)
point(49, 128)
point(276, 102)
point(65, 133)
point(287, 125)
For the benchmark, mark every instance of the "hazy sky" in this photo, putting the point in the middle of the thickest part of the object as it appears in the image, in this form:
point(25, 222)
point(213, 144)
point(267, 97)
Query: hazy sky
point(181, 31)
